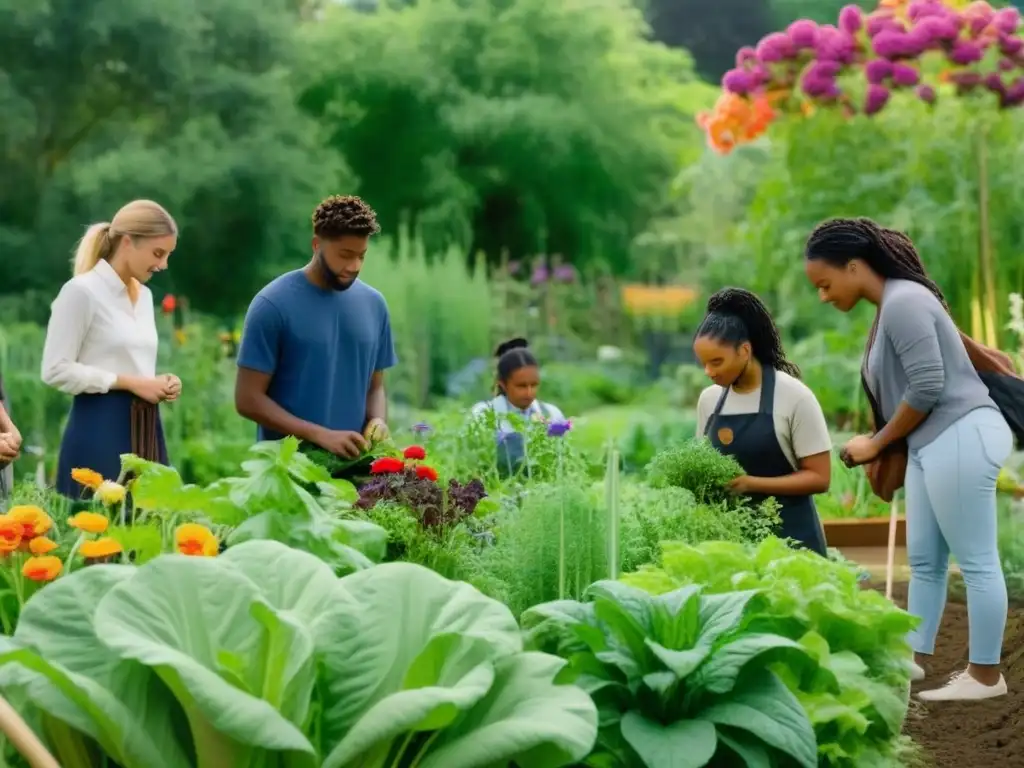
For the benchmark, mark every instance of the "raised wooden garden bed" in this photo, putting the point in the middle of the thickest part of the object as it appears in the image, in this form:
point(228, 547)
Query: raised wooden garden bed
point(864, 532)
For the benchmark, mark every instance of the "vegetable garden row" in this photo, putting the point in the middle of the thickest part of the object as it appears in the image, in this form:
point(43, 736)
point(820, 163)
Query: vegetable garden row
point(426, 613)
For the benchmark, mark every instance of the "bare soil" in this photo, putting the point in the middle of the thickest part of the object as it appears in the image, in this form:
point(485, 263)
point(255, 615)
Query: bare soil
point(984, 734)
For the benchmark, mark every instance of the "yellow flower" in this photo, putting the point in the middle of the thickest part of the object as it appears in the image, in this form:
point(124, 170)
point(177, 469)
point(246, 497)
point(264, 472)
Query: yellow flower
point(10, 534)
point(41, 545)
point(33, 520)
point(196, 540)
point(90, 478)
point(104, 547)
point(111, 493)
point(46, 568)
point(89, 522)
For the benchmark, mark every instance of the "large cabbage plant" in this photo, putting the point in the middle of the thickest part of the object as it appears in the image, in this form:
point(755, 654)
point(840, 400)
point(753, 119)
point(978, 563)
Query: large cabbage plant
point(263, 658)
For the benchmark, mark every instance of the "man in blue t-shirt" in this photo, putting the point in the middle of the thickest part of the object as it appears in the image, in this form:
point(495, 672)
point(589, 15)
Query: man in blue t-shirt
point(316, 342)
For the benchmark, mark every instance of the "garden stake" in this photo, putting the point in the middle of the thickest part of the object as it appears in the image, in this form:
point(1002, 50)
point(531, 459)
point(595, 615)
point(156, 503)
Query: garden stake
point(890, 561)
point(23, 738)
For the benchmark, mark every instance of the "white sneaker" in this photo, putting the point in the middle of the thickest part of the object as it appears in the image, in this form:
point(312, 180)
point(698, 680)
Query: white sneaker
point(917, 672)
point(963, 687)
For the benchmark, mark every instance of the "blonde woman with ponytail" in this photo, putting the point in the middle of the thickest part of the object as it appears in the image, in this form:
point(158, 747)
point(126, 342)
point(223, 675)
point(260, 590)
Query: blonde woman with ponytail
point(101, 345)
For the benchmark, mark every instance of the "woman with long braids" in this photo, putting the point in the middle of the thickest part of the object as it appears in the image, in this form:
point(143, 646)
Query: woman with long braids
point(922, 383)
point(760, 413)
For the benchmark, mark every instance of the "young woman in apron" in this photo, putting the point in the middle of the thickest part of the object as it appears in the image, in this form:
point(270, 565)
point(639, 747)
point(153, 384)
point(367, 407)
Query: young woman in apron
point(518, 380)
point(101, 345)
point(759, 412)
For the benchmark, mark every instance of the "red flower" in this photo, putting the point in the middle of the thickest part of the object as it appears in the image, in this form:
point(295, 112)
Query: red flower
point(386, 466)
point(415, 452)
point(169, 304)
point(423, 472)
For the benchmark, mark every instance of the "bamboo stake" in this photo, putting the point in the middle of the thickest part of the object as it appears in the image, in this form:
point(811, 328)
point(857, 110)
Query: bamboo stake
point(23, 738)
point(890, 561)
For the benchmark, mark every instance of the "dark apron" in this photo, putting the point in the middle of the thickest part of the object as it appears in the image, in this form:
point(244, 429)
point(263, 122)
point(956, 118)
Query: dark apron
point(750, 439)
point(102, 427)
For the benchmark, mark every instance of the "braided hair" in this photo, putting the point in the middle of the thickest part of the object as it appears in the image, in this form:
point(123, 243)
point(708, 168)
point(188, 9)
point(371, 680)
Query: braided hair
point(736, 315)
point(889, 253)
point(513, 355)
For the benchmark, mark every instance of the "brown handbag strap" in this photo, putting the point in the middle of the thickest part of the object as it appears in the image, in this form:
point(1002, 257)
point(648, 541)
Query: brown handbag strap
point(876, 411)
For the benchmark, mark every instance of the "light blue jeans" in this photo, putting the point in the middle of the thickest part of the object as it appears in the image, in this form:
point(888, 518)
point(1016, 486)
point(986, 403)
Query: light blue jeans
point(951, 506)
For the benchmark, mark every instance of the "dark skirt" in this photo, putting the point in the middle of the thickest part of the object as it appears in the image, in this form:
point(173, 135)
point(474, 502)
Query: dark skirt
point(100, 429)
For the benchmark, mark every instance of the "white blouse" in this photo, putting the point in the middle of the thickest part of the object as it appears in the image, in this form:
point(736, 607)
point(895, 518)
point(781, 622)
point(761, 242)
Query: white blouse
point(96, 334)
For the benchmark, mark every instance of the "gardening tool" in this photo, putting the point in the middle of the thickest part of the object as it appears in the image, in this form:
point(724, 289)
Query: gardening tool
point(23, 738)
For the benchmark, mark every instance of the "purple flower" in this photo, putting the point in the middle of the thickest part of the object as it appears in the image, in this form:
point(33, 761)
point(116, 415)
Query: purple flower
point(877, 98)
point(936, 29)
point(994, 83)
point(738, 81)
point(1014, 95)
point(565, 273)
point(965, 52)
point(878, 71)
point(540, 275)
point(802, 32)
point(904, 75)
point(774, 47)
point(761, 74)
point(878, 23)
point(1007, 65)
point(923, 8)
point(833, 44)
point(966, 81)
point(422, 428)
point(926, 94)
point(1006, 20)
point(559, 428)
point(890, 44)
point(819, 80)
point(1010, 46)
point(851, 19)
point(745, 55)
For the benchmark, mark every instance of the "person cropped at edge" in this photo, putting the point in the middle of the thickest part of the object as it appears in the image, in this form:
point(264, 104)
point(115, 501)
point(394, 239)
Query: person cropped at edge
point(101, 345)
point(10, 445)
point(516, 383)
point(928, 392)
point(317, 340)
point(760, 413)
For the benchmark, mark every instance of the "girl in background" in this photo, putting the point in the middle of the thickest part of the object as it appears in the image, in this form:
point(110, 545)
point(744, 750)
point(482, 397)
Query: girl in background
point(760, 413)
point(101, 345)
point(517, 384)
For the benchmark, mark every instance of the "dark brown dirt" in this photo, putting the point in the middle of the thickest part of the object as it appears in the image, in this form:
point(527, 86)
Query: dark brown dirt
point(984, 734)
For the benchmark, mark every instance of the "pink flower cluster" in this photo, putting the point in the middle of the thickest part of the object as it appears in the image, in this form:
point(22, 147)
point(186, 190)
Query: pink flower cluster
point(881, 52)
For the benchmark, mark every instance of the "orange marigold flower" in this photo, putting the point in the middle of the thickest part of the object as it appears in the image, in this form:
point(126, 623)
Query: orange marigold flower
point(415, 452)
point(46, 568)
point(89, 522)
point(426, 473)
point(89, 478)
point(104, 547)
point(33, 520)
point(736, 120)
point(196, 540)
point(10, 534)
point(41, 545)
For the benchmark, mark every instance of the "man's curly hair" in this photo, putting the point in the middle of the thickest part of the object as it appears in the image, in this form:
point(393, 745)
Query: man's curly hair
point(341, 215)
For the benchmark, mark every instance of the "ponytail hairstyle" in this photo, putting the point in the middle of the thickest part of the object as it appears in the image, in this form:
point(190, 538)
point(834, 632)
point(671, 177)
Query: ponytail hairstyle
point(889, 253)
point(139, 219)
point(736, 315)
point(512, 355)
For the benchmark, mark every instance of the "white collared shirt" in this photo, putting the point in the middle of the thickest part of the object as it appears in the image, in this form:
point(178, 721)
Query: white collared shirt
point(96, 334)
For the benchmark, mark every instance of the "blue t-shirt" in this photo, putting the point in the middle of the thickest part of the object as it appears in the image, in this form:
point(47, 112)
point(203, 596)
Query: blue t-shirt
point(321, 348)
